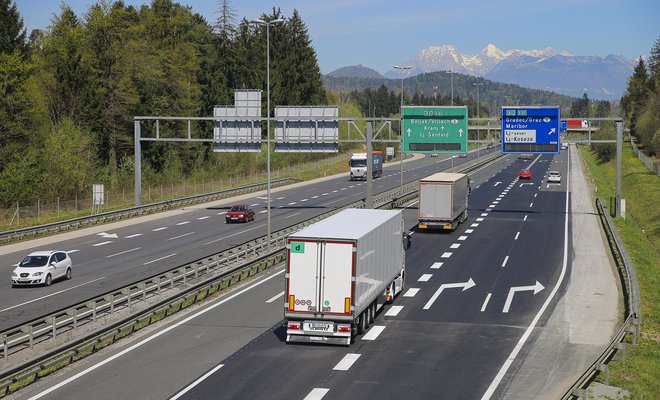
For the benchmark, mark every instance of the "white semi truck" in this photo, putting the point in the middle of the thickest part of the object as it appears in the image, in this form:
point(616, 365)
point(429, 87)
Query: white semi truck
point(358, 165)
point(340, 271)
point(443, 200)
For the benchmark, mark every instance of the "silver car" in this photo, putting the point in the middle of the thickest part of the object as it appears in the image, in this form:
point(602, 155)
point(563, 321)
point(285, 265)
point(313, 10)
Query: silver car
point(554, 177)
point(42, 268)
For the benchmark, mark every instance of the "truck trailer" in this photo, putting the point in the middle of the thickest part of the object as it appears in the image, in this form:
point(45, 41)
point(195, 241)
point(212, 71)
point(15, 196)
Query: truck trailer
point(340, 271)
point(358, 165)
point(443, 200)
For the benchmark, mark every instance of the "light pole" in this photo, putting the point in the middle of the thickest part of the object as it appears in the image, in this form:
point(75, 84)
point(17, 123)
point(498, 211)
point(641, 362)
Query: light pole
point(452, 85)
point(478, 116)
point(267, 24)
point(402, 69)
point(435, 94)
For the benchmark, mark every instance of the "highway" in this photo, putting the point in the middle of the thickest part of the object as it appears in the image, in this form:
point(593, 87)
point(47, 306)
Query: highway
point(133, 250)
point(458, 330)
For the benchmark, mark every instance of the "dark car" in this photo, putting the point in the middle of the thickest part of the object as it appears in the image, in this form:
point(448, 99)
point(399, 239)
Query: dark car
point(525, 174)
point(240, 213)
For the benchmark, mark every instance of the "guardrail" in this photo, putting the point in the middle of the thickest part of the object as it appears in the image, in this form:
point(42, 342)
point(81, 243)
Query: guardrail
point(117, 215)
point(633, 310)
point(215, 268)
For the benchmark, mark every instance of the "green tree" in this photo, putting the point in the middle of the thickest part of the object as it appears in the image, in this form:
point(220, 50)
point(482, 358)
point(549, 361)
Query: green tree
point(636, 94)
point(12, 34)
point(654, 65)
point(580, 107)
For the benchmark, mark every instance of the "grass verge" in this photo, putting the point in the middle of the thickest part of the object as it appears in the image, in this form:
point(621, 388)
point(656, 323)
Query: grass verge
point(638, 371)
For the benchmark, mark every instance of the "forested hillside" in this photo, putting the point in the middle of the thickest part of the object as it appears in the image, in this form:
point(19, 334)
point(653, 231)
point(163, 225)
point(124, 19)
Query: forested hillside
point(68, 93)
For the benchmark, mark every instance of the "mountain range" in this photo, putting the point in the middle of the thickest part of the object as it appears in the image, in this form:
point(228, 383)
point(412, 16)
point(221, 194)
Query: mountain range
point(602, 77)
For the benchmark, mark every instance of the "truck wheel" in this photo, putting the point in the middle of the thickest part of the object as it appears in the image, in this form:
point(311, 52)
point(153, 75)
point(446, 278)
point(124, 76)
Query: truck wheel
point(367, 317)
point(372, 313)
point(360, 324)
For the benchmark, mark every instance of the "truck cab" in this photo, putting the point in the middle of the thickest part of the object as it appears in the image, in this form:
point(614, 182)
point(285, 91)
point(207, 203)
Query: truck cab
point(358, 165)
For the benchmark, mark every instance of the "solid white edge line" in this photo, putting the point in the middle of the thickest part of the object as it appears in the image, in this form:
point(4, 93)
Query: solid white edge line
point(514, 353)
point(347, 362)
point(277, 296)
point(197, 382)
point(150, 338)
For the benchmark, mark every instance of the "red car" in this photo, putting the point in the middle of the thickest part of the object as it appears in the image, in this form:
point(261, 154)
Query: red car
point(525, 174)
point(240, 212)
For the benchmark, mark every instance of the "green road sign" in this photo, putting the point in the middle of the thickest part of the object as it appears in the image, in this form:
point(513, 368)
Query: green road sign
point(431, 129)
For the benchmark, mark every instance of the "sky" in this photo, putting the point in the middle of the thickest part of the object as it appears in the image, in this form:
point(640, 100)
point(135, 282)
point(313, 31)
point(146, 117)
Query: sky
point(382, 33)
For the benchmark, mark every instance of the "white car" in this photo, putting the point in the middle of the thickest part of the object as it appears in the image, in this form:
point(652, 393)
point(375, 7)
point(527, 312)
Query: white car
point(564, 146)
point(41, 268)
point(554, 177)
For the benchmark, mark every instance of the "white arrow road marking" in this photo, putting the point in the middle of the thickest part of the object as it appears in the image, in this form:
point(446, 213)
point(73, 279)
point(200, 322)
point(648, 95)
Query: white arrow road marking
point(497, 183)
point(108, 235)
point(465, 285)
point(509, 298)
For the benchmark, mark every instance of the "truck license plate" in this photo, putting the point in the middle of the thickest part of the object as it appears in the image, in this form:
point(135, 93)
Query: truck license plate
point(319, 326)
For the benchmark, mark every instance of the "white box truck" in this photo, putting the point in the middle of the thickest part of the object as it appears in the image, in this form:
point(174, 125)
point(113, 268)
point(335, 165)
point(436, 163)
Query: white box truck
point(340, 271)
point(443, 200)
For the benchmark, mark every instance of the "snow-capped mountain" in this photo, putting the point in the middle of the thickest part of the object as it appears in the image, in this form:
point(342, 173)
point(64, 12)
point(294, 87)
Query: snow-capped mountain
point(546, 69)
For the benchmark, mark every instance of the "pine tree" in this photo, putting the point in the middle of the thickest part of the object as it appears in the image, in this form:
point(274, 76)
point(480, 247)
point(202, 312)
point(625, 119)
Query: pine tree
point(636, 93)
point(12, 34)
point(654, 65)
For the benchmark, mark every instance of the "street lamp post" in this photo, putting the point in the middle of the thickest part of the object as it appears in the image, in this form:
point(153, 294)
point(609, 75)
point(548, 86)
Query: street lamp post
point(452, 85)
point(478, 116)
point(267, 24)
point(402, 69)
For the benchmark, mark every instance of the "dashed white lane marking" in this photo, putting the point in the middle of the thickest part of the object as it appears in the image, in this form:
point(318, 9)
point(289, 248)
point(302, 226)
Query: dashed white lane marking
point(263, 211)
point(316, 394)
point(72, 251)
point(437, 265)
point(180, 236)
point(277, 296)
point(505, 260)
point(162, 258)
point(303, 200)
point(343, 189)
point(159, 229)
point(374, 332)
point(132, 236)
point(425, 278)
point(489, 209)
point(517, 234)
point(335, 191)
point(222, 213)
point(484, 214)
point(393, 311)
point(280, 198)
point(292, 203)
point(262, 198)
point(254, 205)
point(411, 292)
point(483, 306)
point(315, 197)
point(446, 255)
point(455, 246)
point(183, 223)
point(102, 243)
point(123, 252)
point(535, 194)
point(525, 219)
point(492, 206)
point(324, 194)
point(496, 202)
point(474, 225)
point(204, 217)
point(531, 204)
point(292, 215)
point(479, 219)
point(462, 237)
point(469, 230)
point(347, 361)
point(52, 294)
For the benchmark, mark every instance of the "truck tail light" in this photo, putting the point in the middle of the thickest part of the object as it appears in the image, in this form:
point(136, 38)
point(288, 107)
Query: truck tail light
point(293, 325)
point(347, 305)
point(344, 328)
point(292, 301)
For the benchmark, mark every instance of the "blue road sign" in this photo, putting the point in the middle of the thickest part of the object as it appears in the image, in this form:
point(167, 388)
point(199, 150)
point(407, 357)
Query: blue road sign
point(562, 126)
point(530, 130)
